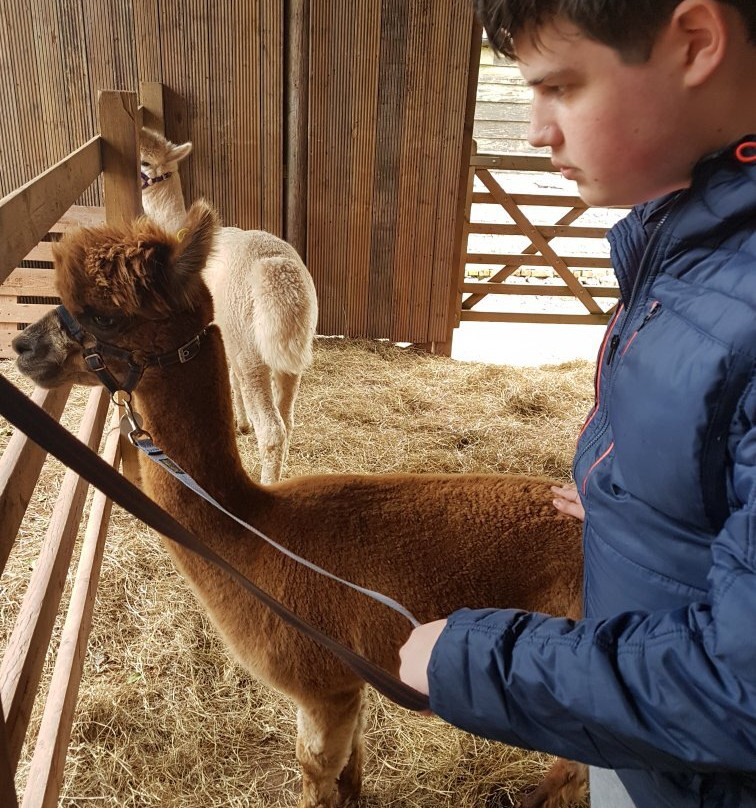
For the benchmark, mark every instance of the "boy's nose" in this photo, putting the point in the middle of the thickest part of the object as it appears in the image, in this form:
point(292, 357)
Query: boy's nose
point(542, 134)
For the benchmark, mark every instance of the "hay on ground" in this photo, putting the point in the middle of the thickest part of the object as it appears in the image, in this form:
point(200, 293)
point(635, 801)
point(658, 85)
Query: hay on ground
point(165, 716)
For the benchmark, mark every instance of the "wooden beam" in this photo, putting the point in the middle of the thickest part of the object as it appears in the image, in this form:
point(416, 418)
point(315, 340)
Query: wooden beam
point(296, 95)
point(151, 99)
point(27, 214)
point(119, 132)
point(46, 771)
point(513, 162)
point(532, 289)
point(524, 317)
point(7, 786)
point(538, 241)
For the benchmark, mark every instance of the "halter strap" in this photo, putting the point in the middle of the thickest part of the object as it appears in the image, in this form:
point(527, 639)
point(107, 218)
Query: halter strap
point(147, 180)
point(94, 352)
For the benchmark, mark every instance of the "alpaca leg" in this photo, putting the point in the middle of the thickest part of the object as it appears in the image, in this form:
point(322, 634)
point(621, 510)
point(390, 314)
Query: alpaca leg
point(240, 412)
point(564, 784)
point(256, 385)
point(350, 780)
point(287, 388)
point(326, 744)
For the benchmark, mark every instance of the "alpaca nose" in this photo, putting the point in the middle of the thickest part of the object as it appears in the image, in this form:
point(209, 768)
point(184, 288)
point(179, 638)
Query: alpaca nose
point(21, 344)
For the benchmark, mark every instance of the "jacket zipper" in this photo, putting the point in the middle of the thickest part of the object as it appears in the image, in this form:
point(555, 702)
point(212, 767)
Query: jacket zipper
point(649, 256)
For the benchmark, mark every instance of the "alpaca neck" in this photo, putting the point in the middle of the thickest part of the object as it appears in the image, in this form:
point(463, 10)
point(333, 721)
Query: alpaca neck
point(164, 202)
point(187, 410)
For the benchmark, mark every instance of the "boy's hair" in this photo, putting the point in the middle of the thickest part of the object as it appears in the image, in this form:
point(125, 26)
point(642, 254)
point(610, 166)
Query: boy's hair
point(628, 26)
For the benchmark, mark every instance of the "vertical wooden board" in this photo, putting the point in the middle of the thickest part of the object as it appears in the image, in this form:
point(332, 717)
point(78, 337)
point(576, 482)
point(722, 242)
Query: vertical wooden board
point(197, 94)
point(223, 71)
point(390, 131)
point(147, 40)
point(78, 99)
point(453, 130)
point(11, 170)
point(124, 51)
point(428, 171)
point(99, 43)
point(272, 104)
point(405, 260)
point(246, 125)
point(49, 72)
point(319, 191)
point(31, 151)
point(364, 92)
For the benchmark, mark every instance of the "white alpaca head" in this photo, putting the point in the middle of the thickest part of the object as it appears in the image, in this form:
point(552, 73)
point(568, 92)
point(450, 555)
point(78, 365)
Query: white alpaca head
point(159, 157)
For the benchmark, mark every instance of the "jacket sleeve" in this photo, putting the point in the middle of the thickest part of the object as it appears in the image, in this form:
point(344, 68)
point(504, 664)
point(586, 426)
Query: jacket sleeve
point(670, 689)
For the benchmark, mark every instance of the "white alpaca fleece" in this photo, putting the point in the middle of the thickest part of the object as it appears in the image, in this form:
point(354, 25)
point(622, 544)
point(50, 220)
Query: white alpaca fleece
point(265, 305)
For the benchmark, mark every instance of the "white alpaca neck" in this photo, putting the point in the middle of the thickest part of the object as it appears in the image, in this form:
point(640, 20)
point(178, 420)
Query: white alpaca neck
point(164, 202)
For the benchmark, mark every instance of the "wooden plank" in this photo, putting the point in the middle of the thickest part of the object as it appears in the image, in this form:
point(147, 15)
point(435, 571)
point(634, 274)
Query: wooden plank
point(120, 155)
point(12, 170)
point(513, 162)
point(297, 48)
point(20, 465)
point(46, 769)
point(27, 214)
point(581, 261)
point(537, 289)
point(28, 281)
point(536, 200)
point(547, 231)
point(151, 100)
point(542, 319)
point(79, 216)
point(7, 786)
point(21, 666)
point(506, 271)
point(22, 312)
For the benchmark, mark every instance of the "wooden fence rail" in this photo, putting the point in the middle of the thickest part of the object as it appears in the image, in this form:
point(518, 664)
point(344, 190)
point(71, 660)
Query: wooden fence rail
point(42, 209)
point(537, 253)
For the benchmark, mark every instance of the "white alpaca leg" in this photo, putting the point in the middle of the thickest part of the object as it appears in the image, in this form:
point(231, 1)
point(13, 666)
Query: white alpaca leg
point(240, 411)
point(286, 390)
point(256, 386)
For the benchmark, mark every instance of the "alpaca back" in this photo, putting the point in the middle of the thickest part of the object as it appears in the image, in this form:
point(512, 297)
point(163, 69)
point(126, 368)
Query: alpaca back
point(262, 290)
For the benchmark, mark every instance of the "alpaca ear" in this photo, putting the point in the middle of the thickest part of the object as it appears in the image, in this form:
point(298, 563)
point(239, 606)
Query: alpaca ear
point(199, 229)
point(178, 153)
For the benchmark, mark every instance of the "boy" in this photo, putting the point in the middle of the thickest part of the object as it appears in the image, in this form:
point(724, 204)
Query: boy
point(642, 101)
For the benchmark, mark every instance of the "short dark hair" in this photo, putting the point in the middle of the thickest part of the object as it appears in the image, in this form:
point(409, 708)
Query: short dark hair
point(628, 26)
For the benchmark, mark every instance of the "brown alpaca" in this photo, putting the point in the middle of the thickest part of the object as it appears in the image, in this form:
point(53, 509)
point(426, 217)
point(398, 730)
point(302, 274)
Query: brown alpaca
point(433, 542)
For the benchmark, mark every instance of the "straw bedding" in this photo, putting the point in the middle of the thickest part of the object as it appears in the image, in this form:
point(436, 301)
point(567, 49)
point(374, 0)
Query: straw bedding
point(166, 718)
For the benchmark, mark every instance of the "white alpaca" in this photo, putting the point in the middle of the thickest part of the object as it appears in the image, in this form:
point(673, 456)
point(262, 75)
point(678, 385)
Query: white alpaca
point(265, 305)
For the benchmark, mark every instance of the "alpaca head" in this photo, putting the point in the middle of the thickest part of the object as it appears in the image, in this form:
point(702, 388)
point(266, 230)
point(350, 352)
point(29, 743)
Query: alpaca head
point(159, 156)
point(135, 288)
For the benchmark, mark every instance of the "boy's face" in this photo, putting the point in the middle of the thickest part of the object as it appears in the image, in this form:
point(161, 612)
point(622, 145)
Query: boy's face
point(617, 129)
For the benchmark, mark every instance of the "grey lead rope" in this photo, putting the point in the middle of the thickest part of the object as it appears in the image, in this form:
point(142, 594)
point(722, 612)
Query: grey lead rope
point(158, 456)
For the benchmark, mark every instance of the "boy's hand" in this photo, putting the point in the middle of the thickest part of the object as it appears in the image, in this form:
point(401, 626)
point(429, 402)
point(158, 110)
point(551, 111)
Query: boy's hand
point(567, 500)
point(416, 652)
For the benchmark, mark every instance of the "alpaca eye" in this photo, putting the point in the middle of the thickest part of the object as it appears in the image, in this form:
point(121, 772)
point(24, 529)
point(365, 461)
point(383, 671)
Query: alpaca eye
point(145, 164)
point(103, 321)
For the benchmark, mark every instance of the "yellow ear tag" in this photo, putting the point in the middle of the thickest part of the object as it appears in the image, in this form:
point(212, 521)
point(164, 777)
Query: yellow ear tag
point(181, 233)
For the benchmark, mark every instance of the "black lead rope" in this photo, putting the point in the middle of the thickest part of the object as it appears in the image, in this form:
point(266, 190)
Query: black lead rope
point(44, 430)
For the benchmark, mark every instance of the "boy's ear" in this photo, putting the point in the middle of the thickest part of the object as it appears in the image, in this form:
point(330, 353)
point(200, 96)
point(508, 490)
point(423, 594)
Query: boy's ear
point(700, 28)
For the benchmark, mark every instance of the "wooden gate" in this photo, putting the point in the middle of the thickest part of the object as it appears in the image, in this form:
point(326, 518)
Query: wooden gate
point(518, 208)
point(26, 216)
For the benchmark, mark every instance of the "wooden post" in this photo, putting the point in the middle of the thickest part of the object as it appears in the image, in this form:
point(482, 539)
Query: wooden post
point(153, 112)
point(7, 786)
point(119, 129)
point(465, 187)
point(296, 93)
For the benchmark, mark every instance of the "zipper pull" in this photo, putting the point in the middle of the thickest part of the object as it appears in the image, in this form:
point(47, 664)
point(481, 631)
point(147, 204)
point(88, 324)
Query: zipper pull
point(652, 312)
point(612, 349)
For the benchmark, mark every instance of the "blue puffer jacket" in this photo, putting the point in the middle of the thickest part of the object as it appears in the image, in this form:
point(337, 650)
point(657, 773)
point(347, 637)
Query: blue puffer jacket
point(659, 680)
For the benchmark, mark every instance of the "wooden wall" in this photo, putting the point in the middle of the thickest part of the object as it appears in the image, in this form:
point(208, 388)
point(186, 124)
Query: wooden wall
point(220, 61)
point(387, 103)
point(387, 119)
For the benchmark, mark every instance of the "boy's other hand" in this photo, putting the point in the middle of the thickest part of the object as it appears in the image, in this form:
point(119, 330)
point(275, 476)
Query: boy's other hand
point(567, 500)
point(415, 655)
